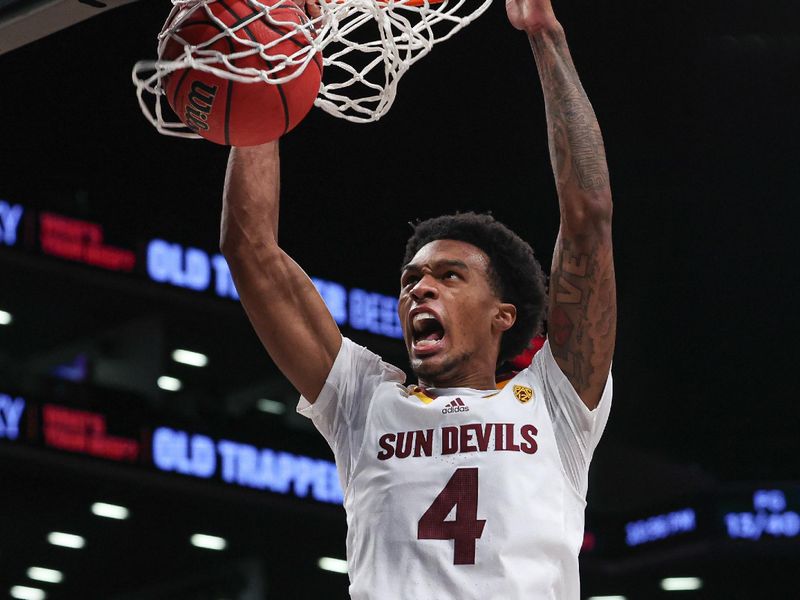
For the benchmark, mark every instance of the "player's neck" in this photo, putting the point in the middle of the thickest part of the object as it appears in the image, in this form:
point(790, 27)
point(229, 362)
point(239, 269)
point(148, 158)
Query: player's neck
point(475, 381)
point(473, 369)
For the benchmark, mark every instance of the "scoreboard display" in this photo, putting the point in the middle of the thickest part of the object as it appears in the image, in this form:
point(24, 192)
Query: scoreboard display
point(767, 513)
point(738, 516)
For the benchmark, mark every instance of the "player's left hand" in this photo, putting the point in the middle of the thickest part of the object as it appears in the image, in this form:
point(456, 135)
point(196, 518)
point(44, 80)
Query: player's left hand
point(531, 15)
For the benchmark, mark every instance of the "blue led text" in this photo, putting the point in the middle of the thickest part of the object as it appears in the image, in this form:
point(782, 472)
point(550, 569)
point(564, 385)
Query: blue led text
point(362, 310)
point(335, 297)
point(375, 313)
point(660, 527)
point(11, 410)
point(246, 465)
point(194, 269)
point(189, 268)
point(770, 518)
point(10, 217)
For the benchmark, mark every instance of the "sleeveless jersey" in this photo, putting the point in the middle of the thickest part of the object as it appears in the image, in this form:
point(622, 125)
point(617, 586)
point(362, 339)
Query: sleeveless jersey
point(459, 493)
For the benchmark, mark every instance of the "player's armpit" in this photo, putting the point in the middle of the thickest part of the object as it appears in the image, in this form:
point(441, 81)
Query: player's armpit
point(282, 303)
point(582, 314)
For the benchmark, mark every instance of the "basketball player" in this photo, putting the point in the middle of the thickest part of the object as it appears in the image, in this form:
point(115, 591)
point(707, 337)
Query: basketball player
point(459, 486)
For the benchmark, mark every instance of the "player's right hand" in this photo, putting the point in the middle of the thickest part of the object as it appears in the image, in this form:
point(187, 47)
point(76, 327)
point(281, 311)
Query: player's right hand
point(531, 16)
point(311, 7)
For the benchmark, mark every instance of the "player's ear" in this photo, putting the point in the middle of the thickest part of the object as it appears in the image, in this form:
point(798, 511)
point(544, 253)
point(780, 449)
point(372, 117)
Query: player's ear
point(505, 317)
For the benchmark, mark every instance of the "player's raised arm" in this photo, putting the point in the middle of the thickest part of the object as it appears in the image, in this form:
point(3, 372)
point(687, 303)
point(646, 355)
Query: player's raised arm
point(282, 303)
point(582, 312)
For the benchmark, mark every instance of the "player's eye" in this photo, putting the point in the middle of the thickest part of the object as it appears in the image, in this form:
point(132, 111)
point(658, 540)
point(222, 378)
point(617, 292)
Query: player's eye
point(409, 280)
point(451, 275)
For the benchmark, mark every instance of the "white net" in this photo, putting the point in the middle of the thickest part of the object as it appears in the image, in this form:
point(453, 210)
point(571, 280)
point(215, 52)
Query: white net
point(366, 46)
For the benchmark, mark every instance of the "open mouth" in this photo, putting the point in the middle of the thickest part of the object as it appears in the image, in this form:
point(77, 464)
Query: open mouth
point(427, 332)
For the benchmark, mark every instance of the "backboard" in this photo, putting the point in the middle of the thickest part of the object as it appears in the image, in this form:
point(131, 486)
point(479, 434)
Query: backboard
point(25, 21)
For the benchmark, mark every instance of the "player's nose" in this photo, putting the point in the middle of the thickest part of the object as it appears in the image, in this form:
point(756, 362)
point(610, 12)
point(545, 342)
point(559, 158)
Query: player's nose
point(424, 288)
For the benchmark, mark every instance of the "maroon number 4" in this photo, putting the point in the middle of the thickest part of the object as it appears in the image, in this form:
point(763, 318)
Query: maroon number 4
point(462, 492)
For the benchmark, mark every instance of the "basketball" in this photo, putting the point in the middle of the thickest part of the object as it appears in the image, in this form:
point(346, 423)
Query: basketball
point(237, 113)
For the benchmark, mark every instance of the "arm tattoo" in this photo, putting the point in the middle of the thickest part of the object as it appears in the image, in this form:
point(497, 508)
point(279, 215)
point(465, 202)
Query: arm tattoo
point(576, 144)
point(583, 314)
point(582, 317)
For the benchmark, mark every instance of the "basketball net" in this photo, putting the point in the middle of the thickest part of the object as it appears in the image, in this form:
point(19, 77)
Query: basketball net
point(366, 45)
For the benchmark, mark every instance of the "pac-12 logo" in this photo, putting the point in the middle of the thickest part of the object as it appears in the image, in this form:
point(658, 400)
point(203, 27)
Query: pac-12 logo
point(198, 107)
point(522, 393)
point(455, 406)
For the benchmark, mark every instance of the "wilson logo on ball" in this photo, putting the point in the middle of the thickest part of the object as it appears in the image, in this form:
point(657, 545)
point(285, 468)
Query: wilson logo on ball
point(201, 99)
point(228, 105)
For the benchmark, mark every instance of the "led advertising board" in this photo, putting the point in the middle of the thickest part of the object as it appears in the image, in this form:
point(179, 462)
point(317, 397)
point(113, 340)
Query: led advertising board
point(81, 241)
point(246, 465)
point(178, 265)
point(125, 440)
point(196, 270)
point(85, 432)
point(743, 518)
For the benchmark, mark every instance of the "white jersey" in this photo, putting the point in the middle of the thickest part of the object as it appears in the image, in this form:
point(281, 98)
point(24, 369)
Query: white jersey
point(459, 493)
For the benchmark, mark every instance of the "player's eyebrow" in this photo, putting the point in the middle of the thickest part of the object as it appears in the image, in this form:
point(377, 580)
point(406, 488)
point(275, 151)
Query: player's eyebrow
point(445, 262)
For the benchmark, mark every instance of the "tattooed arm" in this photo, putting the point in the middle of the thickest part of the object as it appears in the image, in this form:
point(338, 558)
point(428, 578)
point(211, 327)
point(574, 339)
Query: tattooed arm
point(583, 308)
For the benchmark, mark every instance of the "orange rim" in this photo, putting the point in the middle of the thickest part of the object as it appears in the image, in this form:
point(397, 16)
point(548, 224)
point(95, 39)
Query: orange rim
point(409, 3)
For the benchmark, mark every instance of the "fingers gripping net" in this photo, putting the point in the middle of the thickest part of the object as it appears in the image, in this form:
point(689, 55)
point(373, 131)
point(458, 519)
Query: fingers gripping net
point(366, 45)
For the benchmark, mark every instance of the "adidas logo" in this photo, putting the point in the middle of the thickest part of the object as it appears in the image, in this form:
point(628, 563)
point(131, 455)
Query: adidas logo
point(455, 406)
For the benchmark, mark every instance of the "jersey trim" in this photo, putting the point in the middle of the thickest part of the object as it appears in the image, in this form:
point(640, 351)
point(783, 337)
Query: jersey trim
point(419, 393)
point(426, 396)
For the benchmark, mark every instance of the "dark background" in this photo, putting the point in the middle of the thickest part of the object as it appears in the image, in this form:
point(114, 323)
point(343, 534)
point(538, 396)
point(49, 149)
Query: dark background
point(698, 105)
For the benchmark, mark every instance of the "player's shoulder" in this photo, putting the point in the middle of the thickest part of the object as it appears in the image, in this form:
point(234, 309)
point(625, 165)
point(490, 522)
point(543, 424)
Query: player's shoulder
point(363, 361)
point(522, 385)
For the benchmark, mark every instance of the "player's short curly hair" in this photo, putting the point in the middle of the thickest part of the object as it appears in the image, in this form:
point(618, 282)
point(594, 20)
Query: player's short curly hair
point(514, 272)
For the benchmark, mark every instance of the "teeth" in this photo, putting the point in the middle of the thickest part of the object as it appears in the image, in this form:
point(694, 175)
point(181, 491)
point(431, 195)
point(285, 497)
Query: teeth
point(422, 343)
point(423, 315)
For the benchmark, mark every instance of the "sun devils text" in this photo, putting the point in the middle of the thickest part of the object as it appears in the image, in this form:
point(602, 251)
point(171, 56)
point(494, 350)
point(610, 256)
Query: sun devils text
point(472, 437)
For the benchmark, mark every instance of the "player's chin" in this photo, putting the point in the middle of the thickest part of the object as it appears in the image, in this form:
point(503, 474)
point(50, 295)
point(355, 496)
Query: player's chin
point(429, 365)
point(428, 370)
